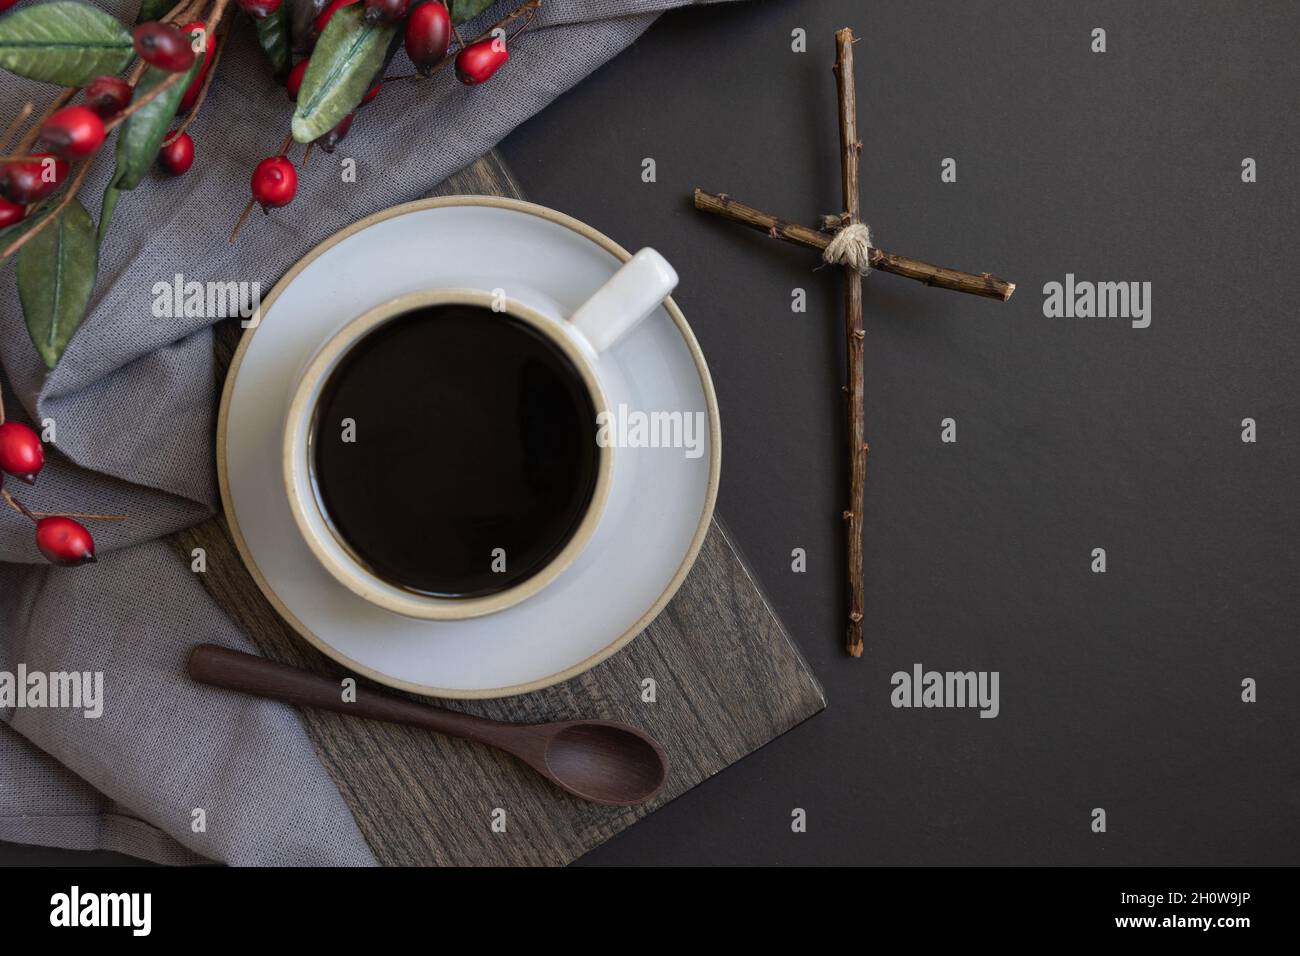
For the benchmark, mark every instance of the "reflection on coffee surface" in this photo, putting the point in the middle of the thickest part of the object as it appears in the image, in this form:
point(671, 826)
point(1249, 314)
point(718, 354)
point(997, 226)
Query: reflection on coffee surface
point(450, 443)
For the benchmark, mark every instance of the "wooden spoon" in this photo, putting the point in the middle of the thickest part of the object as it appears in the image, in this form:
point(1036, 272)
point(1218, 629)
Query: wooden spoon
point(598, 760)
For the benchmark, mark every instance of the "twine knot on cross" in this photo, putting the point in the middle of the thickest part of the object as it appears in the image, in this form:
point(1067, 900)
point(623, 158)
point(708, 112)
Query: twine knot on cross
point(851, 246)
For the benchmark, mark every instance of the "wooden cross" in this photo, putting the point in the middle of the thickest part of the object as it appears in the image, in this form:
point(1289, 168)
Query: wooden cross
point(854, 267)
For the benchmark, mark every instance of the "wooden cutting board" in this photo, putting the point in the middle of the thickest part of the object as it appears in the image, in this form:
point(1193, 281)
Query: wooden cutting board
point(726, 680)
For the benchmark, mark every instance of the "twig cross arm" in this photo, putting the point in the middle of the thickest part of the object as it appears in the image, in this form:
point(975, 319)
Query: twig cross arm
point(844, 239)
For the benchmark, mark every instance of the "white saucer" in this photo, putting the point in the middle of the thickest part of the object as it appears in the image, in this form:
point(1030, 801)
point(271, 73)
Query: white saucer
point(659, 507)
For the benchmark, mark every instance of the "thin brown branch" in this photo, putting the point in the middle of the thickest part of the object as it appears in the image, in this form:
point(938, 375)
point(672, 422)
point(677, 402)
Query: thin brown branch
point(138, 104)
point(79, 515)
point(183, 11)
point(26, 512)
point(2, 406)
point(12, 128)
point(850, 148)
point(721, 204)
point(528, 22)
point(215, 14)
point(57, 103)
point(243, 218)
point(66, 197)
point(203, 92)
point(17, 505)
point(528, 10)
point(982, 284)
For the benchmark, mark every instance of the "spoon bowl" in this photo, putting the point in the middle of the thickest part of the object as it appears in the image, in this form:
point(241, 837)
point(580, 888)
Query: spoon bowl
point(606, 762)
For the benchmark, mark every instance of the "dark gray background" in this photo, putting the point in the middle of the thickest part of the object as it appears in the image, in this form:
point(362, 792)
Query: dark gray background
point(1118, 690)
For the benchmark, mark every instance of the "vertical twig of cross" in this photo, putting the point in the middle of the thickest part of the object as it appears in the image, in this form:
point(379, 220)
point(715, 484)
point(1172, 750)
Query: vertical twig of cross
point(844, 240)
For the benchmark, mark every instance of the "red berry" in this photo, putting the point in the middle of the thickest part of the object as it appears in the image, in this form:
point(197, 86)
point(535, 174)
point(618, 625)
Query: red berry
point(477, 62)
point(164, 46)
point(428, 36)
point(374, 91)
point(386, 11)
point(31, 181)
point(335, 136)
point(177, 156)
point(210, 46)
point(6, 4)
point(64, 541)
point(21, 452)
point(328, 12)
point(274, 182)
point(11, 212)
point(294, 81)
point(259, 9)
point(107, 95)
point(73, 132)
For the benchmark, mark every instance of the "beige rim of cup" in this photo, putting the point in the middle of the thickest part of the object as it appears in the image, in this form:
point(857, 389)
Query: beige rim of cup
point(619, 642)
point(296, 453)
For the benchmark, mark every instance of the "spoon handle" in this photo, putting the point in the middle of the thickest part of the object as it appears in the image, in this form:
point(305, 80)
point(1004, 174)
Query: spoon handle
point(234, 670)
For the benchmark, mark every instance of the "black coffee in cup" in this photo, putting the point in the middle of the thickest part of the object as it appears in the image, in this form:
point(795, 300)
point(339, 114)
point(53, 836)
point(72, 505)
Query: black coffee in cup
point(454, 451)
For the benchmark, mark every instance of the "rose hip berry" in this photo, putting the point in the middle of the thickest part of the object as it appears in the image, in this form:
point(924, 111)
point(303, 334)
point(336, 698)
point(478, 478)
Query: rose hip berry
point(477, 62)
point(11, 213)
point(386, 11)
point(293, 82)
point(428, 36)
point(164, 46)
point(107, 95)
point(210, 46)
point(177, 156)
point(259, 9)
point(64, 541)
point(335, 136)
point(21, 452)
point(73, 132)
point(329, 12)
point(29, 182)
point(274, 182)
point(374, 91)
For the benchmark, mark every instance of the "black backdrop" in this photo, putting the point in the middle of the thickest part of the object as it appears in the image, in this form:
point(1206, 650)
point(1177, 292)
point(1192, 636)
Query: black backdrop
point(1120, 690)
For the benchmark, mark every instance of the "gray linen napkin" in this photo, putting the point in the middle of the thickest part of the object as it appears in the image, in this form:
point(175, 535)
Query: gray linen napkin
point(134, 407)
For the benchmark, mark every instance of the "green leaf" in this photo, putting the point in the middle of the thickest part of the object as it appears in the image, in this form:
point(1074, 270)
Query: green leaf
point(56, 274)
point(143, 132)
point(340, 72)
point(63, 42)
point(18, 230)
point(153, 9)
point(462, 10)
point(111, 195)
point(273, 34)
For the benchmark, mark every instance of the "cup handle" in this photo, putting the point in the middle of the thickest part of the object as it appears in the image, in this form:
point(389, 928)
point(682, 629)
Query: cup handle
point(632, 293)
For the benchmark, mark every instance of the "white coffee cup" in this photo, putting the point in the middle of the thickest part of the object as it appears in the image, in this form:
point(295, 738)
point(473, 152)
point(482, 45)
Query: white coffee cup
point(613, 310)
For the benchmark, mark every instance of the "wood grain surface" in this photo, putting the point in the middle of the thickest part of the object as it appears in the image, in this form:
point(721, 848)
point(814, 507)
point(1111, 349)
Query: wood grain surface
point(727, 680)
